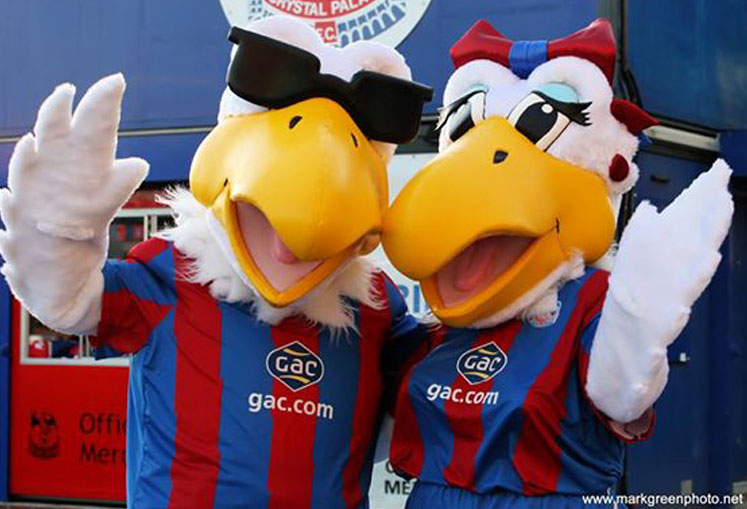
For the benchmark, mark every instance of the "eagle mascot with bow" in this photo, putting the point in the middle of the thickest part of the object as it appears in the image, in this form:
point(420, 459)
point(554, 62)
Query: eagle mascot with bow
point(553, 347)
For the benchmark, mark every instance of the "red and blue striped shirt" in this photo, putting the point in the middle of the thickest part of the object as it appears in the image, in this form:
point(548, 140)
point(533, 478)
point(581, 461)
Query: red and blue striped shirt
point(227, 411)
point(505, 410)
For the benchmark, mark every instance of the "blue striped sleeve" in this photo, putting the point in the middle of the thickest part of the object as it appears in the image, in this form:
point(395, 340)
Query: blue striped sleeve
point(137, 296)
point(406, 343)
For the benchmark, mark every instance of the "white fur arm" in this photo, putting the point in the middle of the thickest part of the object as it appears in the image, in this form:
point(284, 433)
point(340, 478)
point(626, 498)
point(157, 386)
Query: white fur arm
point(64, 188)
point(664, 263)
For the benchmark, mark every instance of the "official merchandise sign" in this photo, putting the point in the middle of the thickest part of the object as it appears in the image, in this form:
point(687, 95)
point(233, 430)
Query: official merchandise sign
point(68, 427)
point(338, 22)
point(69, 434)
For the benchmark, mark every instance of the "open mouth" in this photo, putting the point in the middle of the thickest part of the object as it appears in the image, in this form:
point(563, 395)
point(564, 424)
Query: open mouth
point(478, 265)
point(279, 266)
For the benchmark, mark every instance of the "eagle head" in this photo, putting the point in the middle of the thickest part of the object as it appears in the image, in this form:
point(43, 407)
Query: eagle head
point(293, 177)
point(534, 155)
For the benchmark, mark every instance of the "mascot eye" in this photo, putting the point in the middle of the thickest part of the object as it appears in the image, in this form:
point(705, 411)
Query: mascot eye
point(463, 114)
point(542, 119)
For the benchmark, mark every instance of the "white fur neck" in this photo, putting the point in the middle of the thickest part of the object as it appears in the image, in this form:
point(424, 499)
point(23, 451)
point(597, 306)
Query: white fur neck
point(201, 238)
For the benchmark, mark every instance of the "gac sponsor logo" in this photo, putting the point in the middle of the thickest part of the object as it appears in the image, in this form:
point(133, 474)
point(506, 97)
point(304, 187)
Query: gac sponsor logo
point(470, 397)
point(481, 363)
point(258, 402)
point(295, 366)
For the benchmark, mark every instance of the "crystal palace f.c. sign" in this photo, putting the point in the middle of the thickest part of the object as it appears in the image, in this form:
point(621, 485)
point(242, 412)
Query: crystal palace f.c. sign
point(339, 22)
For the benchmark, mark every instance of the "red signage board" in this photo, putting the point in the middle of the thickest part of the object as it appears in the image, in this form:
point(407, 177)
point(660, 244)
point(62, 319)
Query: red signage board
point(68, 429)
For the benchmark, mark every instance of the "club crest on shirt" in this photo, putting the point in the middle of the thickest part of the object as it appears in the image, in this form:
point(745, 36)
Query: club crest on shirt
point(545, 319)
point(295, 366)
point(481, 363)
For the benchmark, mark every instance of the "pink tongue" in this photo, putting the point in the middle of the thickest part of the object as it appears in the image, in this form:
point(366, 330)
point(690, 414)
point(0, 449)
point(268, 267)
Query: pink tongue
point(477, 266)
point(281, 252)
point(474, 263)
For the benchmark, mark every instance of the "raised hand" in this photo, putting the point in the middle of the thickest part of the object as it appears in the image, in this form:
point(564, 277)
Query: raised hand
point(665, 261)
point(64, 188)
point(668, 258)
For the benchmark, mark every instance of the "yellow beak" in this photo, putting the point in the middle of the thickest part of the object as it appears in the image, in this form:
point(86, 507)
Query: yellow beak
point(467, 194)
point(312, 175)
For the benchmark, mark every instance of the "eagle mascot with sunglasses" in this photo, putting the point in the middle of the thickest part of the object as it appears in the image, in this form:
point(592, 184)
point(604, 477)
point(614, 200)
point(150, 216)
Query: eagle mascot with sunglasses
point(552, 348)
point(257, 333)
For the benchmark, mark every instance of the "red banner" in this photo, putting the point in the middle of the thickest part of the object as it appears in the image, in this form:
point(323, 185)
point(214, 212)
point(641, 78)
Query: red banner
point(68, 429)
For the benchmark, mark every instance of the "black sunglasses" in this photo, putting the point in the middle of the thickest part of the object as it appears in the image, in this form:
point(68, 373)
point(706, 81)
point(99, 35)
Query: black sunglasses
point(273, 74)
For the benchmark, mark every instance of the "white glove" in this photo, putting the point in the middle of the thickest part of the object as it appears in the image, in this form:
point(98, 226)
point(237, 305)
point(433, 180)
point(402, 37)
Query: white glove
point(664, 263)
point(64, 188)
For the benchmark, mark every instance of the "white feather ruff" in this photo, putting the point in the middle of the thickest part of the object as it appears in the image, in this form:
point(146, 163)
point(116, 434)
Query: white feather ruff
point(210, 266)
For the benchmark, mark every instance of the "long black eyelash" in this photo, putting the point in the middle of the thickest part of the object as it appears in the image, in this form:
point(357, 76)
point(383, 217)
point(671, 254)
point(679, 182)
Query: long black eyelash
point(446, 111)
point(574, 111)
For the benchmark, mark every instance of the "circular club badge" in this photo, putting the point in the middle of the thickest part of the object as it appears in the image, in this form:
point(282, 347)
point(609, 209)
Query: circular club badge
point(339, 22)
